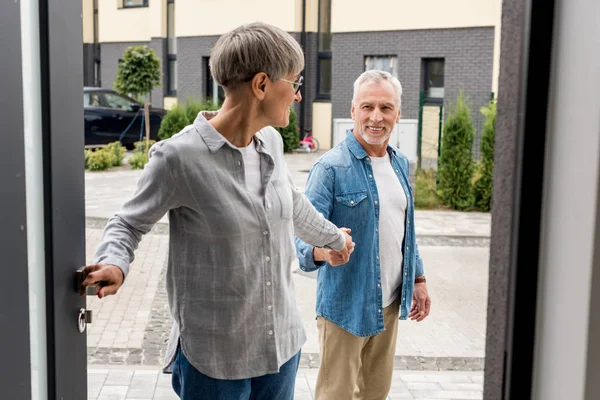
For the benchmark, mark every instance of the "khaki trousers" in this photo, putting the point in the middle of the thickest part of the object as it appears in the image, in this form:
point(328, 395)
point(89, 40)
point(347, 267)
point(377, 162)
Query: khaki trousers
point(353, 367)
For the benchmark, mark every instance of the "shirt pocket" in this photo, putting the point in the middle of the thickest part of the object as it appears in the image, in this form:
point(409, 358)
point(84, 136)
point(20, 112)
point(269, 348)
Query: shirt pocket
point(352, 209)
point(284, 201)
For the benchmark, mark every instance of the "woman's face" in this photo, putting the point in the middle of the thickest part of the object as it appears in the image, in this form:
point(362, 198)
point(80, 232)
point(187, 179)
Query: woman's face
point(279, 100)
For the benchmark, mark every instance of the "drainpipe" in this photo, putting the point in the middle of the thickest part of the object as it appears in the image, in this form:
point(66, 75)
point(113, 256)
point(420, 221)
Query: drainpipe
point(303, 45)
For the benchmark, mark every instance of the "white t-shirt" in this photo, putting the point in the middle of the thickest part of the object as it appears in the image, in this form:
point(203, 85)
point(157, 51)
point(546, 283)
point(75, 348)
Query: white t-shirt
point(252, 169)
point(392, 211)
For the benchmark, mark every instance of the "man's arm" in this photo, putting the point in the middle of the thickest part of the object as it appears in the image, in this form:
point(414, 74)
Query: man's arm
point(154, 196)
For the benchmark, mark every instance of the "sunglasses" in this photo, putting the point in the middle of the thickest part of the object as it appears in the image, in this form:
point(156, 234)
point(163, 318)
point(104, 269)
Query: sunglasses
point(296, 84)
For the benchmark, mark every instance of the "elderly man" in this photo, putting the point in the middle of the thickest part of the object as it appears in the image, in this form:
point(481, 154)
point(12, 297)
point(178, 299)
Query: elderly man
point(362, 184)
point(233, 213)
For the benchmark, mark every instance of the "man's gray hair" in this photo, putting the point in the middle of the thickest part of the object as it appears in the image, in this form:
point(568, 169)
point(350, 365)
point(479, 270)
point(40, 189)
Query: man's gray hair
point(252, 48)
point(376, 76)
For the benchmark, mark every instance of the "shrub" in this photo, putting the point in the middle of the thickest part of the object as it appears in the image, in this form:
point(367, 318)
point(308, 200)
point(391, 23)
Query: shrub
point(173, 122)
point(138, 160)
point(289, 134)
point(117, 153)
point(482, 190)
point(192, 107)
point(456, 159)
point(141, 146)
point(181, 116)
point(98, 160)
point(426, 197)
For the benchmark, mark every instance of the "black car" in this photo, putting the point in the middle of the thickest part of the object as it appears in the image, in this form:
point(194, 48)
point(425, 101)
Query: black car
point(108, 115)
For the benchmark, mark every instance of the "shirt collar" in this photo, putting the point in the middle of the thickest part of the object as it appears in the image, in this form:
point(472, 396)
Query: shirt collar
point(213, 139)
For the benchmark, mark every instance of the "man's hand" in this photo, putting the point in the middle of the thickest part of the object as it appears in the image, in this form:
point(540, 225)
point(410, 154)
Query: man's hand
point(107, 279)
point(335, 258)
point(421, 304)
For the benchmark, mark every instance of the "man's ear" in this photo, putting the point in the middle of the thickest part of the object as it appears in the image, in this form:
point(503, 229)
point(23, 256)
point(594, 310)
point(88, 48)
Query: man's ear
point(352, 111)
point(399, 115)
point(259, 85)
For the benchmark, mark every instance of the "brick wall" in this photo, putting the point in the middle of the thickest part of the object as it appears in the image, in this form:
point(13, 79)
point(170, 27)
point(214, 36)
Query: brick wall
point(468, 55)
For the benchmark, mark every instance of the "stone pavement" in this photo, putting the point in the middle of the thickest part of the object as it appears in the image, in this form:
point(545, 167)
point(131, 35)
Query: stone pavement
point(127, 383)
point(131, 328)
point(106, 191)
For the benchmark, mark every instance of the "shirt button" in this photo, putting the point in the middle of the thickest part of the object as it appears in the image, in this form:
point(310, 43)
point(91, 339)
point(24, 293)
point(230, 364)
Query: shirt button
point(379, 311)
point(268, 205)
point(267, 258)
point(239, 163)
point(379, 285)
point(396, 170)
point(376, 229)
point(409, 222)
point(368, 159)
point(378, 257)
point(351, 201)
point(269, 308)
point(265, 233)
point(370, 176)
point(268, 283)
point(270, 333)
point(375, 201)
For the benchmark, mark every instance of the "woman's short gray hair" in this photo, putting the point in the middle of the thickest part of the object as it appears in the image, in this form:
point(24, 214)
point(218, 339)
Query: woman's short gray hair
point(374, 75)
point(252, 48)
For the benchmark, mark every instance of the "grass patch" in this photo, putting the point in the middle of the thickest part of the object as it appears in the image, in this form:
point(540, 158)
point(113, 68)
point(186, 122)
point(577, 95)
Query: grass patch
point(426, 197)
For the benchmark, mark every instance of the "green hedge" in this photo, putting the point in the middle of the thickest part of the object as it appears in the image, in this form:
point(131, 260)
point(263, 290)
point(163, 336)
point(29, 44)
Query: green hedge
point(181, 116)
point(482, 189)
point(289, 134)
point(456, 158)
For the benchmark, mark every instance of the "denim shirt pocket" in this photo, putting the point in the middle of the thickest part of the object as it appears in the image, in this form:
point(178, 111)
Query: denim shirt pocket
point(352, 209)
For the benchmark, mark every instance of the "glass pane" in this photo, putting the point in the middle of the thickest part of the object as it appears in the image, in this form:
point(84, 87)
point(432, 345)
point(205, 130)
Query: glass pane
point(86, 99)
point(172, 75)
point(325, 77)
point(382, 63)
point(171, 41)
point(435, 79)
point(324, 25)
point(116, 101)
point(134, 3)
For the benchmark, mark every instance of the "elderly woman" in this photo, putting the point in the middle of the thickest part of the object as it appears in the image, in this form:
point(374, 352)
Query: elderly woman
point(233, 213)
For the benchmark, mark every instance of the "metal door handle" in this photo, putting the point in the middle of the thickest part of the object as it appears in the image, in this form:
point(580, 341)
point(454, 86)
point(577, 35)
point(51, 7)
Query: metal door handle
point(90, 290)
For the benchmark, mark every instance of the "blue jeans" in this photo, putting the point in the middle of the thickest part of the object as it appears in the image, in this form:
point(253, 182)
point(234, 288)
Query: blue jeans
point(191, 384)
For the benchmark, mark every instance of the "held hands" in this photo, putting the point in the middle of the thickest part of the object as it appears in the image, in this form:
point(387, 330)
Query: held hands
point(335, 258)
point(106, 278)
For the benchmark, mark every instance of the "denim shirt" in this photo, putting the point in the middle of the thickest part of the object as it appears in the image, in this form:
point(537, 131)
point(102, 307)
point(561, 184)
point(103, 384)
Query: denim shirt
point(341, 185)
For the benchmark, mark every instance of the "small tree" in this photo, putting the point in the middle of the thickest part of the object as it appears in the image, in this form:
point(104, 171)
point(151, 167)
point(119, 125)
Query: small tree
point(456, 159)
point(482, 190)
point(137, 74)
point(289, 134)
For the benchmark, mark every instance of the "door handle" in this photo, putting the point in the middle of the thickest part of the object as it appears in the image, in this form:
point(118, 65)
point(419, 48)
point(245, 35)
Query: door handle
point(84, 316)
point(90, 290)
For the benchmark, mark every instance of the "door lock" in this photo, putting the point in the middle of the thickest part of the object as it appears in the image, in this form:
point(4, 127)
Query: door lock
point(85, 317)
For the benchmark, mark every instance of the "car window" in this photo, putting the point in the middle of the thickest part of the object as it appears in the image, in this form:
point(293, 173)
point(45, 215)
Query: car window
point(115, 101)
point(91, 99)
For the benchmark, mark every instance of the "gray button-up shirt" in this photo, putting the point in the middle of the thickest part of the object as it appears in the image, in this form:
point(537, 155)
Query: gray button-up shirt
point(229, 283)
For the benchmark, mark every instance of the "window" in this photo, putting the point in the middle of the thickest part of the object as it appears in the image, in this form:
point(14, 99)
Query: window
point(135, 3)
point(114, 100)
point(214, 92)
point(382, 63)
point(324, 54)
point(97, 81)
point(91, 99)
point(171, 75)
point(434, 80)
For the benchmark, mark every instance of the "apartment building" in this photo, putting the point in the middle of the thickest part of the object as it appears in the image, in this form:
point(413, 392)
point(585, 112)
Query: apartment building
point(435, 47)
